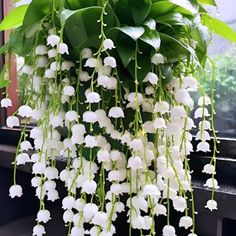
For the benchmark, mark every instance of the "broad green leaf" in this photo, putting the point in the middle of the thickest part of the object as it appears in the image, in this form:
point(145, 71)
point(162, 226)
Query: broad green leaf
point(185, 4)
point(150, 23)
point(139, 10)
point(152, 38)
point(77, 4)
point(3, 81)
point(219, 27)
point(208, 2)
point(82, 28)
point(134, 32)
point(14, 19)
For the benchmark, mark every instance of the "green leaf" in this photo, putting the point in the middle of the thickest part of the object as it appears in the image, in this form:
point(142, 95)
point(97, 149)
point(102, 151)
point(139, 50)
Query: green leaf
point(219, 27)
point(139, 10)
point(4, 48)
point(3, 81)
point(14, 19)
point(185, 4)
point(82, 28)
point(134, 32)
point(208, 2)
point(77, 4)
point(152, 38)
point(150, 23)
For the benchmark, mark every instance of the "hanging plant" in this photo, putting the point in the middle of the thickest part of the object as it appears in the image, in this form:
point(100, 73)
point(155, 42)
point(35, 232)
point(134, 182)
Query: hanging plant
point(108, 85)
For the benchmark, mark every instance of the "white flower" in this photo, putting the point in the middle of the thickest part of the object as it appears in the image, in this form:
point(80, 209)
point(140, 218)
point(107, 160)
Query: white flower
point(160, 209)
point(49, 74)
point(36, 181)
point(209, 169)
point(51, 173)
point(93, 97)
point(110, 61)
point(203, 135)
point(68, 203)
point(15, 191)
point(117, 175)
point(90, 141)
point(179, 204)
point(189, 83)
point(52, 53)
point(25, 111)
point(108, 44)
point(132, 97)
point(56, 121)
point(168, 230)
point(71, 116)
point(41, 50)
point(185, 222)
point(204, 100)
point(12, 121)
point(149, 127)
point(39, 230)
point(161, 107)
point(90, 117)
point(53, 40)
point(212, 183)
point(66, 65)
point(55, 66)
point(200, 112)
point(151, 77)
point(116, 112)
point(86, 53)
point(84, 76)
point(211, 205)
point(69, 91)
point(136, 144)
point(158, 59)
point(103, 156)
point(149, 90)
point(27, 70)
point(75, 231)
point(182, 96)
point(22, 159)
point(135, 162)
point(203, 146)
point(38, 168)
point(6, 102)
point(63, 48)
point(68, 216)
point(177, 112)
point(100, 218)
point(52, 195)
point(25, 146)
point(90, 209)
point(91, 62)
point(159, 123)
point(42, 61)
point(89, 187)
point(151, 190)
point(43, 216)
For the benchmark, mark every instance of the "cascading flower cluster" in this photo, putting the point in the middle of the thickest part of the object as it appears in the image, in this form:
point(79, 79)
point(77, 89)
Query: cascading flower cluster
point(125, 147)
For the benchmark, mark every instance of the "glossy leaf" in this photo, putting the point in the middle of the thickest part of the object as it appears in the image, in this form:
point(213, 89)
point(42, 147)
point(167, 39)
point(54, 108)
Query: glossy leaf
point(139, 10)
point(152, 38)
point(77, 4)
point(185, 4)
point(219, 27)
point(150, 23)
point(208, 2)
point(134, 32)
point(14, 19)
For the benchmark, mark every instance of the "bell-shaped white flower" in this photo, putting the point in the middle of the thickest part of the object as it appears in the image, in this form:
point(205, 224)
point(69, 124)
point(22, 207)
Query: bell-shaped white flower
point(168, 230)
point(86, 53)
point(211, 205)
point(51, 173)
point(151, 78)
point(162, 107)
point(53, 40)
point(160, 209)
point(89, 187)
point(42, 61)
point(90, 117)
point(159, 123)
point(203, 135)
point(26, 69)
point(53, 195)
point(200, 112)
point(6, 102)
point(100, 218)
point(93, 97)
point(52, 53)
point(38, 230)
point(179, 203)
point(110, 61)
point(15, 191)
point(38, 168)
point(67, 65)
point(108, 44)
point(151, 190)
point(212, 183)
point(209, 169)
point(25, 146)
point(75, 231)
point(186, 222)
point(90, 141)
point(25, 111)
point(103, 156)
point(91, 62)
point(68, 203)
point(116, 112)
point(204, 100)
point(43, 216)
point(71, 116)
point(12, 121)
point(68, 216)
point(135, 163)
point(22, 159)
point(49, 73)
point(158, 59)
point(203, 147)
point(69, 90)
point(63, 48)
point(36, 181)
point(41, 50)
